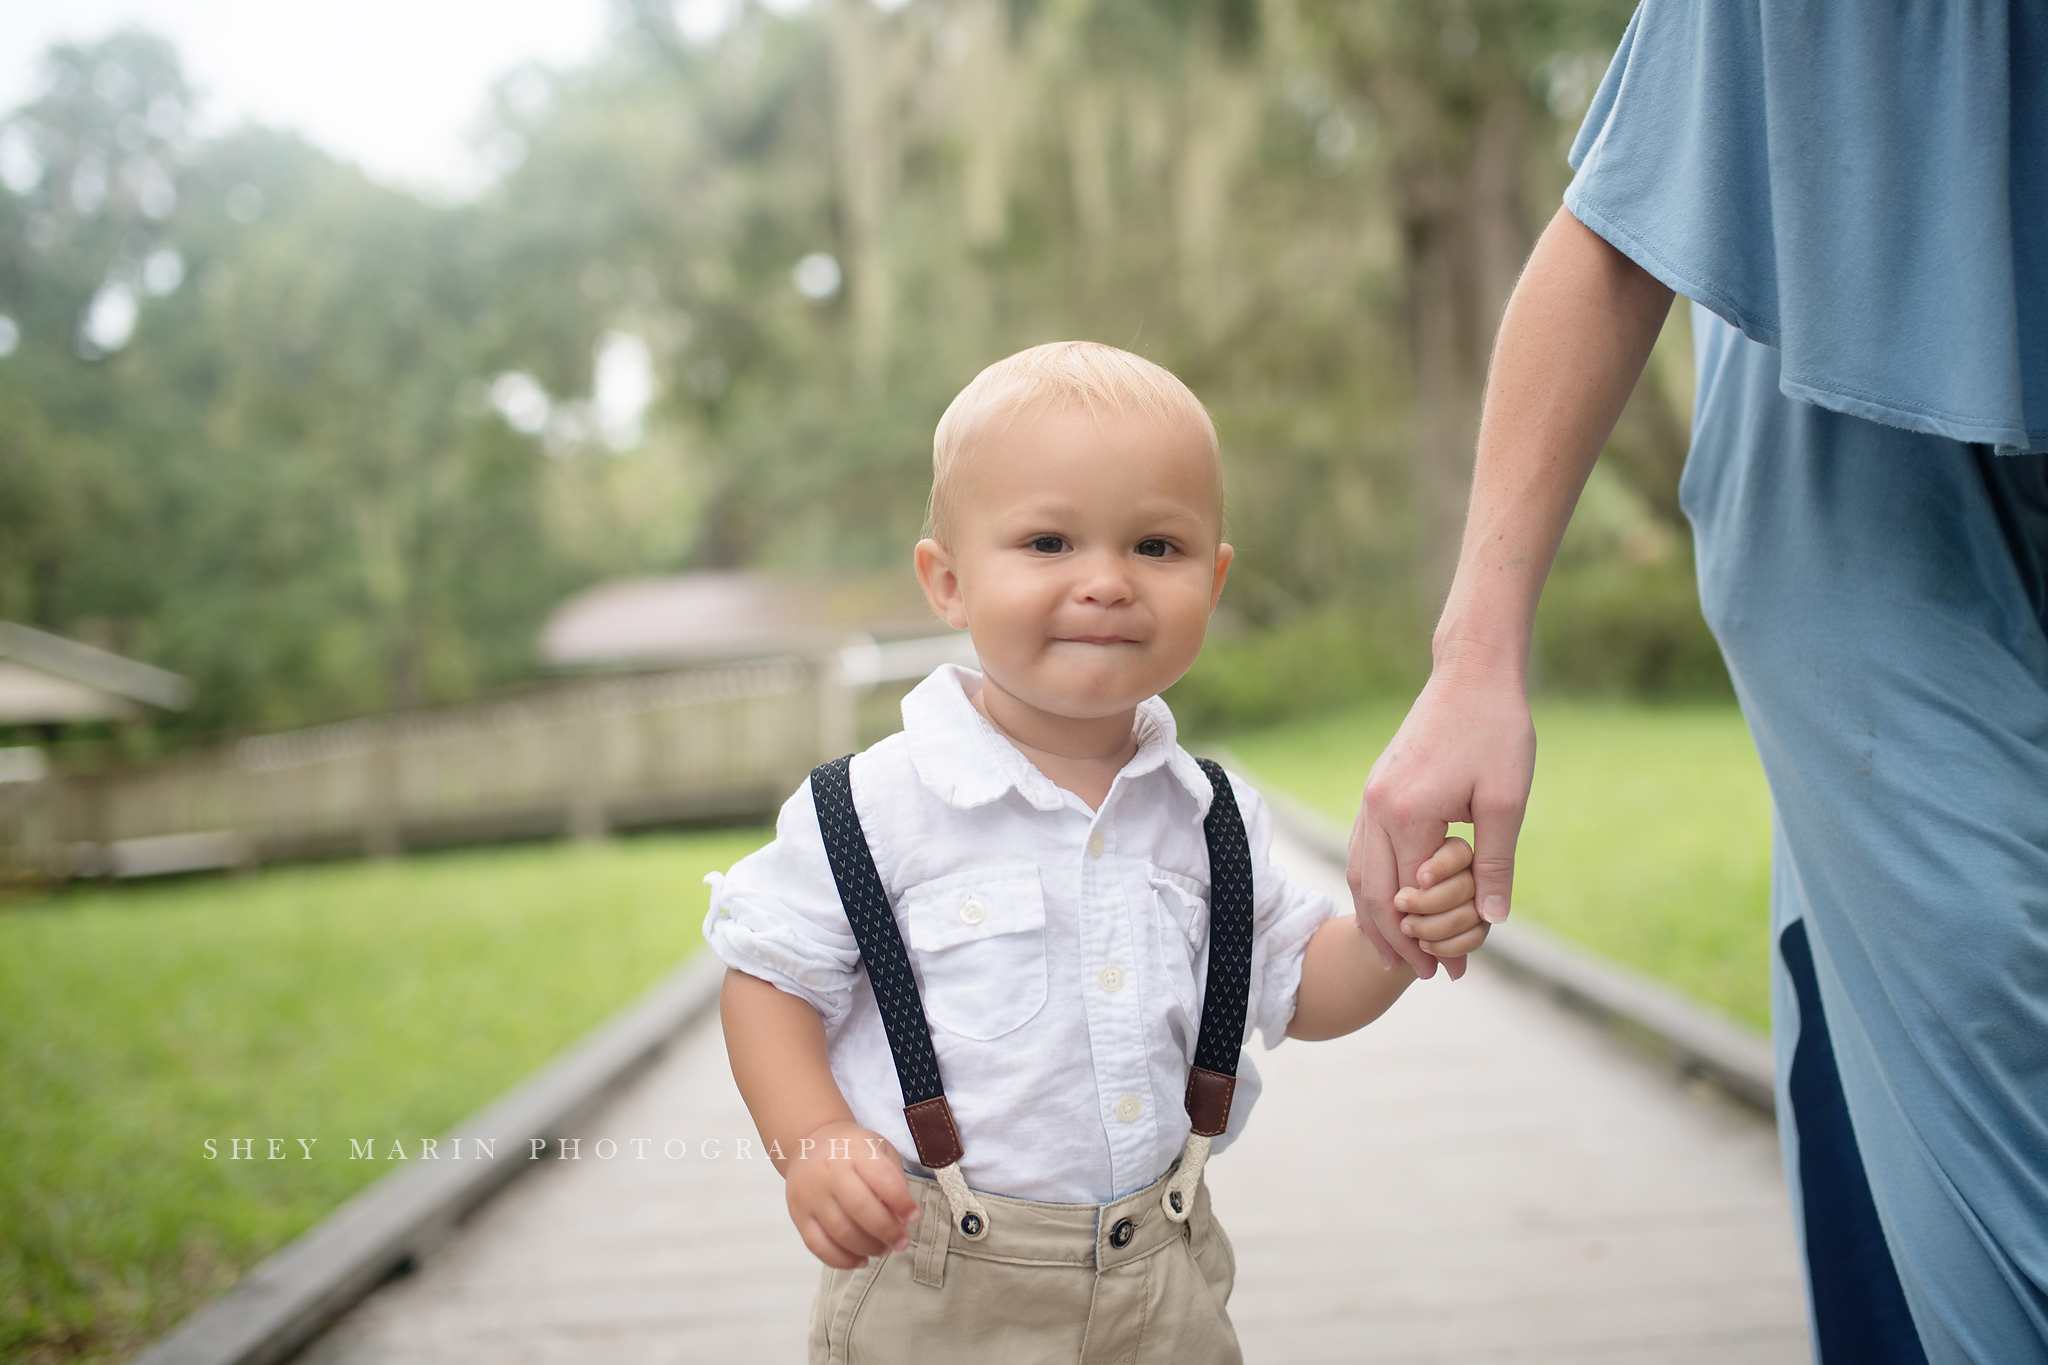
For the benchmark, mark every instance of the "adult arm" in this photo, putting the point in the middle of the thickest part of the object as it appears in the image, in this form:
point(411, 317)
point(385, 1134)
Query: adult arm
point(1572, 344)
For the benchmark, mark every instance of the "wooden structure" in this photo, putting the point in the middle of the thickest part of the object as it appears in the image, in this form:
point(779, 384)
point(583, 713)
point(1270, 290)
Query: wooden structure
point(48, 680)
point(581, 757)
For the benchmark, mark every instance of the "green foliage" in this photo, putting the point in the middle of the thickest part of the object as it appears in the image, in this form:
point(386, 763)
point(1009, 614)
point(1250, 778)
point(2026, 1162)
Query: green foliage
point(1648, 835)
point(1620, 616)
point(1622, 630)
point(385, 1000)
point(1318, 662)
point(293, 483)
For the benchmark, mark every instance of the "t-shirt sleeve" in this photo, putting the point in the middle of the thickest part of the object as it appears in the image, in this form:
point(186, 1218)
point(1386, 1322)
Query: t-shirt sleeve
point(1285, 916)
point(1858, 186)
point(777, 915)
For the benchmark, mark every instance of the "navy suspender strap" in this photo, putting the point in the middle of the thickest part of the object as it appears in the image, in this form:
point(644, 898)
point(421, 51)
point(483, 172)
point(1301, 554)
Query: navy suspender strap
point(1211, 1080)
point(881, 948)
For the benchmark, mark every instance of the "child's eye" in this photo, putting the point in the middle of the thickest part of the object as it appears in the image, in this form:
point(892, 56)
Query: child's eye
point(1155, 548)
point(1048, 545)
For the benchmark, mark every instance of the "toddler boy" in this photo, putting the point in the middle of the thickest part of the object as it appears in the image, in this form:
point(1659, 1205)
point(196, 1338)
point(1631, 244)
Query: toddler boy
point(988, 939)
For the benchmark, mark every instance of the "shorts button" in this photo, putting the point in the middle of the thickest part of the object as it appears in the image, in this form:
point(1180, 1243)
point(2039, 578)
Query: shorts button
point(1120, 1235)
point(1112, 977)
point(972, 911)
point(1127, 1108)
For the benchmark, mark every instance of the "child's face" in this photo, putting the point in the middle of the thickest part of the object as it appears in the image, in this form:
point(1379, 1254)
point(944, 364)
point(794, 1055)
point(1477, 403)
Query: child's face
point(1083, 559)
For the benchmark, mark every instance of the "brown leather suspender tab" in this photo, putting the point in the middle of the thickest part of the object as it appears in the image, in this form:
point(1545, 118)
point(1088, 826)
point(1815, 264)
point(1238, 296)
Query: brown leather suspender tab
point(1208, 1100)
point(933, 1130)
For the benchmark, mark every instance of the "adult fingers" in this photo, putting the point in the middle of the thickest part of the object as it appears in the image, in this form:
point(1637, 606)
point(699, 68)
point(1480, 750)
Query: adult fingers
point(1373, 872)
point(1496, 826)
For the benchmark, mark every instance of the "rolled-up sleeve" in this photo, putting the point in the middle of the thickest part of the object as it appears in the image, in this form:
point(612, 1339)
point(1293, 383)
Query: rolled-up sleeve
point(777, 915)
point(1285, 916)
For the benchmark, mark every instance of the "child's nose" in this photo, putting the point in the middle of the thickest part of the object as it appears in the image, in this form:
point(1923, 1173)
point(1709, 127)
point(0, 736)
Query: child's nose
point(1105, 581)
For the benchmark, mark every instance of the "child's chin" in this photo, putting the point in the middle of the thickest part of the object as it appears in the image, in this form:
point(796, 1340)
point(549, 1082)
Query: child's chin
point(1094, 698)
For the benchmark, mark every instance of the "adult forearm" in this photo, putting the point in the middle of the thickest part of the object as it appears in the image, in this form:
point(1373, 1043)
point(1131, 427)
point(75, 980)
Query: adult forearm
point(1572, 344)
point(776, 1043)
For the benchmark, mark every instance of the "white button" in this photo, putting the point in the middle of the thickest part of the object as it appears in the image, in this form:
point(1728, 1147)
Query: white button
point(1127, 1108)
point(1095, 844)
point(972, 911)
point(1112, 977)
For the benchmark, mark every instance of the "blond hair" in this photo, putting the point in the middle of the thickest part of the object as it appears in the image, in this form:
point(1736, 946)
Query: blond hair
point(1061, 376)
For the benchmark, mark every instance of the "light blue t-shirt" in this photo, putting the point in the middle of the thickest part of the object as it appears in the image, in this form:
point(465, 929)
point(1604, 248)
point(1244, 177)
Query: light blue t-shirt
point(1863, 186)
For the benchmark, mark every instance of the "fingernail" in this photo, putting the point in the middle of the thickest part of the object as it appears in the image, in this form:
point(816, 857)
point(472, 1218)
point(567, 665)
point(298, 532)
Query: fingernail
point(912, 1220)
point(1495, 910)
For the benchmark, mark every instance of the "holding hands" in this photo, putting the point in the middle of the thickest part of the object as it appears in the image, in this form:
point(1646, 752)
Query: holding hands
point(1466, 752)
point(1439, 914)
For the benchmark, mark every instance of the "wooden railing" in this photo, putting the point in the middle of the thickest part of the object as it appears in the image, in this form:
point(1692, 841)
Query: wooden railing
point(581, 758)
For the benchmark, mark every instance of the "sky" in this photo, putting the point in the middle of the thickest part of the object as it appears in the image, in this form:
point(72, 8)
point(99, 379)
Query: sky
point(394, 85)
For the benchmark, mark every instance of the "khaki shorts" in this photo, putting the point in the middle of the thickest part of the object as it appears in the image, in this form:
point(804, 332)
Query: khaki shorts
point(1047, 1282)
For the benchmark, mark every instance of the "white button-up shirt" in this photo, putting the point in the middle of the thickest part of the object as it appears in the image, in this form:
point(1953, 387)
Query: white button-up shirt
point(1061, 952)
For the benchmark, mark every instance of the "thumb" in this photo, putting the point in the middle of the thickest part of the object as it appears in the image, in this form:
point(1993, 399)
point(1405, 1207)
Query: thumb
point(1494, 832)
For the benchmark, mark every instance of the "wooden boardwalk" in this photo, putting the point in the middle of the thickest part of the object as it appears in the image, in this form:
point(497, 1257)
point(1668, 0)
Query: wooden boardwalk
point(1480, 1177)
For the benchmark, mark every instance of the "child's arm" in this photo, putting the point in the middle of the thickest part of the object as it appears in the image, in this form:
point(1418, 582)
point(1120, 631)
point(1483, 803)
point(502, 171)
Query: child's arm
point(847, 1206)
point(1345, 986)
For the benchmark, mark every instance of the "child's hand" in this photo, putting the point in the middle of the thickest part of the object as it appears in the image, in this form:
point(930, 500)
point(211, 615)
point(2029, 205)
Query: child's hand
point(1438, 911)
point(847, 1195)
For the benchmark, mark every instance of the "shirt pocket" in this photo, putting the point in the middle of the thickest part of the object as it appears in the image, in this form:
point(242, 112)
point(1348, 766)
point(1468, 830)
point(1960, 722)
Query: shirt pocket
point(1184, 911)
point(1183, 927)
point(980, 944)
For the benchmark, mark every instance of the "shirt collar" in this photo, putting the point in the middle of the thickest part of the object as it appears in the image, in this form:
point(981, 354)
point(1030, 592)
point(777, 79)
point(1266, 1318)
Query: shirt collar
point(967, 762)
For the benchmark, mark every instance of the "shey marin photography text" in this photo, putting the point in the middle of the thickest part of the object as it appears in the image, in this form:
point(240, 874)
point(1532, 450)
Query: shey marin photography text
point(538, 1149)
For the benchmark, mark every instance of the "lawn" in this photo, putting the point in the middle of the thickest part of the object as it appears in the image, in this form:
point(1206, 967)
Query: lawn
point(1648, 835)
point(323, 1002)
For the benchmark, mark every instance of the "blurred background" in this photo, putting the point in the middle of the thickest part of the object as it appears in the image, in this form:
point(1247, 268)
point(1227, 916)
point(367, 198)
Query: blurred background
point(330, 432)
point(447, 424)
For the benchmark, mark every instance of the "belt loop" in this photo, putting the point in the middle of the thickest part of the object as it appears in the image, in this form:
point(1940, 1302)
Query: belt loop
point(934, 1235)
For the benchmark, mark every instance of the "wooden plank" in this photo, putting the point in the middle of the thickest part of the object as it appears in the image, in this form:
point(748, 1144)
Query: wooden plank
point(1481, 1176)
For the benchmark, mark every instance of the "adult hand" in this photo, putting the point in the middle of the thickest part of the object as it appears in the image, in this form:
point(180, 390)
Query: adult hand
point(1466, 752)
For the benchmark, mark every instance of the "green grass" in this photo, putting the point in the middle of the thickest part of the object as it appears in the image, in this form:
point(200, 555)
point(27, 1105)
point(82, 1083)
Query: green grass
point(354, 1000)
point(1648, 835)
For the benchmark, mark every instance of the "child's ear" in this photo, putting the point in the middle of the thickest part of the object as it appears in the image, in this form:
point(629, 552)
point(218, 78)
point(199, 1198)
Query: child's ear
point(941, 584)
point(1224, 554)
